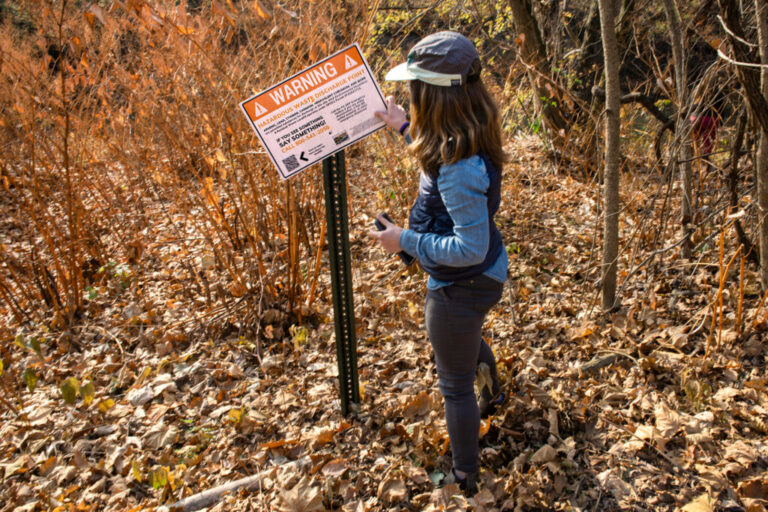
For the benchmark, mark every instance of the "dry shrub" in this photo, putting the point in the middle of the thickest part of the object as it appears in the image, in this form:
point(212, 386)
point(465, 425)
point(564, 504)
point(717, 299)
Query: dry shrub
point(122, 137)
point(123, 145)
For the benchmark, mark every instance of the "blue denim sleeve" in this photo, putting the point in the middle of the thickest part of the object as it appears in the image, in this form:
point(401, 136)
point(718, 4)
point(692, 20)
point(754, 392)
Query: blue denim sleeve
point(462, 186)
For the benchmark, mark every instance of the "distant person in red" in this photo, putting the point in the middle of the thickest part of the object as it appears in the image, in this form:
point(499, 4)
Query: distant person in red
point(704, 125)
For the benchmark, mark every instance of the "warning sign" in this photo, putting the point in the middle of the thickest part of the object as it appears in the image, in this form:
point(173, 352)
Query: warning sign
point(317, 112)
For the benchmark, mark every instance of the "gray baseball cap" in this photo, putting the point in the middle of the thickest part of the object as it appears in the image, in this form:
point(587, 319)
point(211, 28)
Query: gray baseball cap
point(443, 58)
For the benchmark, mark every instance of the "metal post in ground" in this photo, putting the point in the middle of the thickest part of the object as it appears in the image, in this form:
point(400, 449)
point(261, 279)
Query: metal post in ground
point(337, 217)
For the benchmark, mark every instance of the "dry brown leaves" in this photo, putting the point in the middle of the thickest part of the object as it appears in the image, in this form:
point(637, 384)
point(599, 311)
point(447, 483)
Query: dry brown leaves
point(661, 427)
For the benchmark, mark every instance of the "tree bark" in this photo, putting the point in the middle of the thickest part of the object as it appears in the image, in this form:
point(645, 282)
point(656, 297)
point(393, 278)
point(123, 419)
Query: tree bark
point(752, 254)
point(624, 23)
point(589, 51)
point(534, 55)
point(612, 151)
point(761, 13)
point(748, 77)
point(682, 152)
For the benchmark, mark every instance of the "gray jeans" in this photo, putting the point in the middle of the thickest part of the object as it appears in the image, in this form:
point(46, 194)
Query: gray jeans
point(454, 316)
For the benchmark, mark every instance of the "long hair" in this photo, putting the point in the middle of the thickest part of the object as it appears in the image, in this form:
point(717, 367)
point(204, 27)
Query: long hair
point(449, 124)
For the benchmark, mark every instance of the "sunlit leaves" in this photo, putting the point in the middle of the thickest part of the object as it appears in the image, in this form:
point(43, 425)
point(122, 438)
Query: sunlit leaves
point(235, 415)
point(261, 10)
point(703, 503)
point(34, 343)
point(72, 388)
point(145, 372)
point(185, 31)
point(87, 391)
point(47, 466)
point(30, 379)
point(159, 477)
point(69, 389)
point(105, 405)
point(136, 471)
point(299, 334)
point(295, 360)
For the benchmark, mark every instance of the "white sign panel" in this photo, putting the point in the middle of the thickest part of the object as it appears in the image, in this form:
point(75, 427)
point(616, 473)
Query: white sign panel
point(317, 112)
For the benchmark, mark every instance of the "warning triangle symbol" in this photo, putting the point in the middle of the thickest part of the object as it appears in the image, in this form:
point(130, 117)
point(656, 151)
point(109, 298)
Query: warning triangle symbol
point(349, 62)
point(258, 109)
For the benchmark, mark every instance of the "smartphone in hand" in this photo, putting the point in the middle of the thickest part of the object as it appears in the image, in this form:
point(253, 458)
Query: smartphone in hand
point(404, 256)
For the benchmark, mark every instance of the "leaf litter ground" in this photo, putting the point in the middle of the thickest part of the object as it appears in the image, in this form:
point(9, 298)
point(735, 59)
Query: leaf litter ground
point(623, 413)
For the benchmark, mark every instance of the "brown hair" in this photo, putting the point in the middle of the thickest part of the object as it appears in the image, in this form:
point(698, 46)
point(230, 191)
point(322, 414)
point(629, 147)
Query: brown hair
point(449, 124)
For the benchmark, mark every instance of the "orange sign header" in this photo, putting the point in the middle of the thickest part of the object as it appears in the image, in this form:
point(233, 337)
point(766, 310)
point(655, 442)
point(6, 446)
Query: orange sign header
point(302, 84)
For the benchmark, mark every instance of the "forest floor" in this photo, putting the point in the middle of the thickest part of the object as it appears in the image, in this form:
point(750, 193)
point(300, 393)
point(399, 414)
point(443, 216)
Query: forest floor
point(676, 419)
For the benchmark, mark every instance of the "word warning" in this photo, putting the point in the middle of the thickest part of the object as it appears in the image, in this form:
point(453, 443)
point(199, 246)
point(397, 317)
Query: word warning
point(317, 112)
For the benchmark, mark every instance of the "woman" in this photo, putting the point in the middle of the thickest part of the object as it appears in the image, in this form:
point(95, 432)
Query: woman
point(455, 132)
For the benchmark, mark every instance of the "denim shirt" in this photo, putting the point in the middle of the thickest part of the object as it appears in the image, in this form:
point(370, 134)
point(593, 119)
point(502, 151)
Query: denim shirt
point(462, 187)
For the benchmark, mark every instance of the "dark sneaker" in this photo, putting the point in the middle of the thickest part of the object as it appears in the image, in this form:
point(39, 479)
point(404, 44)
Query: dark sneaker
point(467, 484)
point(489, 406)
point(490, 395)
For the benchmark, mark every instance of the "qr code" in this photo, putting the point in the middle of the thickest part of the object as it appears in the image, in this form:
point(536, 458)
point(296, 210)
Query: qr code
point(291, 163)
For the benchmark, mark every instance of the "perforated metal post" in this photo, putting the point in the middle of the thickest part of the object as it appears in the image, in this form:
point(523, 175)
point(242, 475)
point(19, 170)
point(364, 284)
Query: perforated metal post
point(335, 181)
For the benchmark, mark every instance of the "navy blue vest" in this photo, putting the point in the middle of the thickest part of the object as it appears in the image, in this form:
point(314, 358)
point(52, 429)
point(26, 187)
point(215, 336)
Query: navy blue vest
point(429, 215)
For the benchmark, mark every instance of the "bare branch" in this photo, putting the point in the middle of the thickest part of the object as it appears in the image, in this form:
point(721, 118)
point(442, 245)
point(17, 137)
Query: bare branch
point(737, 63)
point(730, 33)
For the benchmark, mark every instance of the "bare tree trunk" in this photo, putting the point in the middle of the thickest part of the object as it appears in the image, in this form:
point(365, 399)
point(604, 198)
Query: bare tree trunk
point(624, 23)
point(612, 151)
point(761, 13)
point(588, 52)
point(733, 187)
point(682, 152)
point(534, 55)
point(749, 78)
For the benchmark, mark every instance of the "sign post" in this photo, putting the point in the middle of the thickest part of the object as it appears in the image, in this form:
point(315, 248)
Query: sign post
point(336, 212)
point(313, 116)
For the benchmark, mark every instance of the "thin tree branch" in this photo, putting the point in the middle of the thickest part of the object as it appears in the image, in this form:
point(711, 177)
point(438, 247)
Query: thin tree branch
point(730, 33)
point(737, 63)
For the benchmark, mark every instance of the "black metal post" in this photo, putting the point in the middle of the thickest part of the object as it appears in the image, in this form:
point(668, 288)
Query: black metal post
point(337, 217)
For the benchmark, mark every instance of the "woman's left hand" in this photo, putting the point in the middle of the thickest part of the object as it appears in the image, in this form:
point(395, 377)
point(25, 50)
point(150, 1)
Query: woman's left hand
point(390, 237)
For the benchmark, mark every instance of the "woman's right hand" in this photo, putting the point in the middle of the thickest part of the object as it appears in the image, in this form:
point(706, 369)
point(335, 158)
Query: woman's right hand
point(395, 116)
point(389, 238)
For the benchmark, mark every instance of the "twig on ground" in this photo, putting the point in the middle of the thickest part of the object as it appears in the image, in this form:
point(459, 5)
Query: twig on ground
point(207, 498)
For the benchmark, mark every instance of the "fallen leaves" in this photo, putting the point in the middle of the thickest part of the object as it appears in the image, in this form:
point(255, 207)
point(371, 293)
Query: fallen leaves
point(69, 390)
point(335, 468)
point(667, 421)
point(703, 503)
point(754, 493)
point(278, 444)
point(302, 497)
point(543, 455)
point(106, 405)
point(176, 408)
point(615, 485)
point(30, 378)
point(417, 406)
point(140, 396)
point(392, 490)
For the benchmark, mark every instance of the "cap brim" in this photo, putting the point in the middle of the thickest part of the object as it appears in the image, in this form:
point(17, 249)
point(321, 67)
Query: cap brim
point(400, 73)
